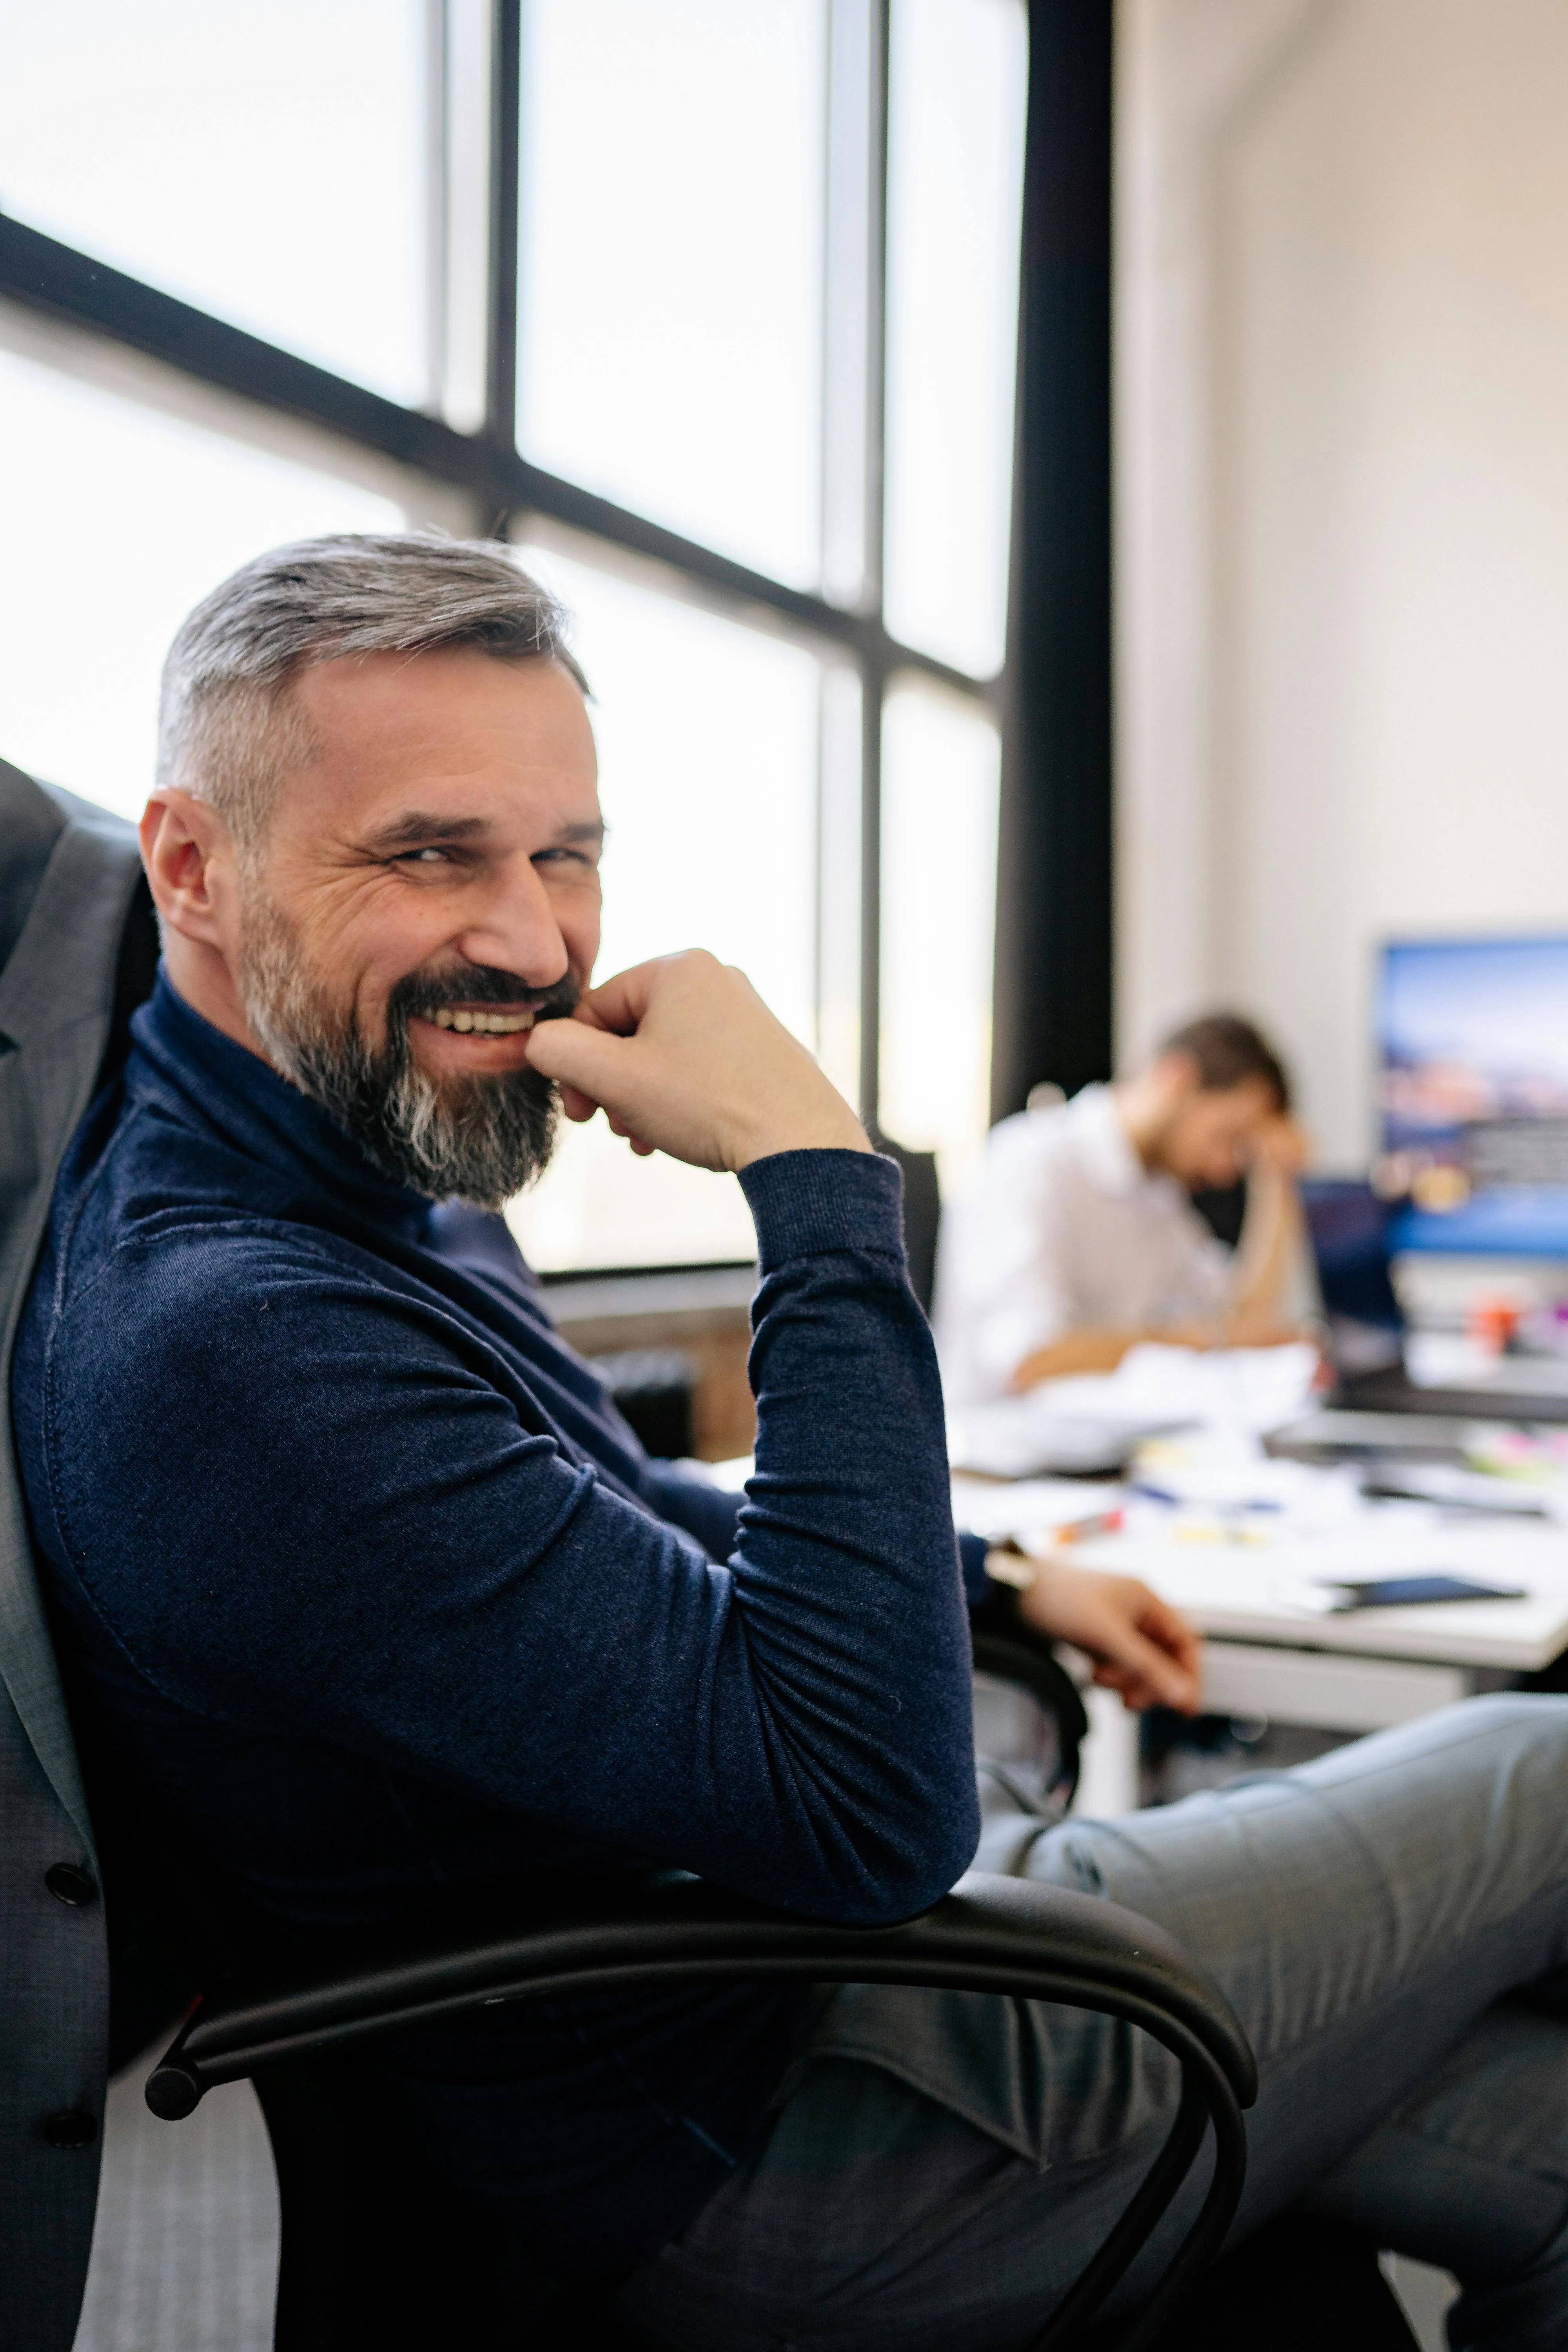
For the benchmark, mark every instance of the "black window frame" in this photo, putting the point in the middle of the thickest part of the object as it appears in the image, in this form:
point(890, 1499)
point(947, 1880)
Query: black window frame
point(1052, 699)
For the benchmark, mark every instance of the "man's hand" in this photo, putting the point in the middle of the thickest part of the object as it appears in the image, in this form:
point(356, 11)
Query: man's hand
point(1139, 1644)
point(683, 1056)
point(1281, 1147)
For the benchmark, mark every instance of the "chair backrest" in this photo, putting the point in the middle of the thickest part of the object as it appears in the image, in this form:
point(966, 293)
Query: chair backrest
point(67, 876)
point(922, 1213)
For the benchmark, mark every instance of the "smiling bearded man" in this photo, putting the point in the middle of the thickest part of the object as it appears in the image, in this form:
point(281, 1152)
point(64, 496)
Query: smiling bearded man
point(365, 1589)
point(477, 1133)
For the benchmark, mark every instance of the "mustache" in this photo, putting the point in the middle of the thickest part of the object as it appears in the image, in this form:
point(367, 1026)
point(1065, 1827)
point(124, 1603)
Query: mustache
point(425, 992)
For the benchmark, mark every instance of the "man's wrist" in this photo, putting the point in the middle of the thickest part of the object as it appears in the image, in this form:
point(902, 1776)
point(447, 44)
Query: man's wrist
point(804, 1204)
point(844, 1134)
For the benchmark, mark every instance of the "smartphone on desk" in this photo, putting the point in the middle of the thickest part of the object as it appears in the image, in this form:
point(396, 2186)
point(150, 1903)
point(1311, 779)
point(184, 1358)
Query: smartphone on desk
point(1407, 1592)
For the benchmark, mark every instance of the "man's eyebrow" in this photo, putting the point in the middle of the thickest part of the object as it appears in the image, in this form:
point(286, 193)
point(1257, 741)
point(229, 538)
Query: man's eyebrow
point(415, 829)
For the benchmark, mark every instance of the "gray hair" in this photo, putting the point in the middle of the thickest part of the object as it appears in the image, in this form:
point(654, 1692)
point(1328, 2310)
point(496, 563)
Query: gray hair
point(228, 727)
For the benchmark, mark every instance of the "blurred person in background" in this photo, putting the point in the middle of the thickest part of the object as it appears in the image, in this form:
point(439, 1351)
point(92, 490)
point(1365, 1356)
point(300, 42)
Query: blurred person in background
point(1079, 1236)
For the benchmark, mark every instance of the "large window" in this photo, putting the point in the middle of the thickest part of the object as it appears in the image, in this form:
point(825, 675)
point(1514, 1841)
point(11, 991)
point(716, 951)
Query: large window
point(941, 773)
point(117, 519)
point(707, 306)
point(956, 106)
point(671, 264)
point(269, 164)
point(707, 736)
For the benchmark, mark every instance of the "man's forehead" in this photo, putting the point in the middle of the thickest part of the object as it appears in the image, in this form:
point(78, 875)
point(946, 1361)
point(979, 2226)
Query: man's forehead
point(454, 739)
point(1245, 1099)
point(456, 703)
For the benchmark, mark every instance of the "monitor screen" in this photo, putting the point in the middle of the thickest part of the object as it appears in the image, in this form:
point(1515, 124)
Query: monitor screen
point(1473, 1086)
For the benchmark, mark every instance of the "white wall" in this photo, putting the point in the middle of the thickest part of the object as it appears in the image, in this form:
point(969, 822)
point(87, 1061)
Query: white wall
point(1342, 453)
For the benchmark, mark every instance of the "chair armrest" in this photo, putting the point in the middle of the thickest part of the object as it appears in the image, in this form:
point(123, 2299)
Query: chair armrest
point(1006, 1936)
point(1008, 1647)
point(990, 1934)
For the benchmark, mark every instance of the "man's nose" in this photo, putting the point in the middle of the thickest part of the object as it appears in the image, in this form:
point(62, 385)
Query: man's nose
point(518, 932)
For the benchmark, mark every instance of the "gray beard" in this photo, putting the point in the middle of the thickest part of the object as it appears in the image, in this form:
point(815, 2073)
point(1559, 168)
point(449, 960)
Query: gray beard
point(479, 1140)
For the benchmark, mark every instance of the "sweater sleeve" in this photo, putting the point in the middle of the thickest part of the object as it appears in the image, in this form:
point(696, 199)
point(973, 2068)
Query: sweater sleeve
point(303, 1497)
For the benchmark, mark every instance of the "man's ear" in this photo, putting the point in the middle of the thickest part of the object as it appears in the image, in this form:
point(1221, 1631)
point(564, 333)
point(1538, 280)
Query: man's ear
point(188, 852)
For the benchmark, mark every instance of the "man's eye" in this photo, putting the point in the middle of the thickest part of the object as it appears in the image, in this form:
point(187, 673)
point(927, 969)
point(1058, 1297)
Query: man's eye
point(423, 857)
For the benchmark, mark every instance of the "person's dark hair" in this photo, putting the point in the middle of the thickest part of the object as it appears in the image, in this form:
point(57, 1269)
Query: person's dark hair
point(1229, 1051)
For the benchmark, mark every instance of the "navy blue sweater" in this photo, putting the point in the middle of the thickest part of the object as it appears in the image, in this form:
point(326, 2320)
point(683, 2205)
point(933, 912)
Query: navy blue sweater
point(372, 1593)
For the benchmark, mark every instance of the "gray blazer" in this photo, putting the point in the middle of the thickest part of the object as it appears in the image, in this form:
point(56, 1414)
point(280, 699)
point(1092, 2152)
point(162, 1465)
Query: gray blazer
point(68, 872)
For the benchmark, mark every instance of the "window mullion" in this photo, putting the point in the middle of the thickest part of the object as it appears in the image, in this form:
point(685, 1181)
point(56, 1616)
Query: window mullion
point(876, 304)
point(848, 293)
point(459, 208)
point(873, 682)
point(501, 369)
point(874, 670)
point(435, 208)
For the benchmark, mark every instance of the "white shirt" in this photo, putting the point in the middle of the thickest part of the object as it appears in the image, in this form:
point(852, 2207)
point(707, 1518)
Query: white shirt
point(1064, 1229)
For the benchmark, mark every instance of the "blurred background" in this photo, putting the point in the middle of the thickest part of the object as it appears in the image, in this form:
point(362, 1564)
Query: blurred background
point(1065, 504)
point(1066, 507)
point(710, 308)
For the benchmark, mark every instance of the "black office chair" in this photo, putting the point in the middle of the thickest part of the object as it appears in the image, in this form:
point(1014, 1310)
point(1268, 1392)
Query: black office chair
point(922, 1212)
point(376, 2252)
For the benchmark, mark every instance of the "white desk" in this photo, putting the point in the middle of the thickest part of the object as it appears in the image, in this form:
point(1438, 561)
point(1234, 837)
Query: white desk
point(1264, 1654)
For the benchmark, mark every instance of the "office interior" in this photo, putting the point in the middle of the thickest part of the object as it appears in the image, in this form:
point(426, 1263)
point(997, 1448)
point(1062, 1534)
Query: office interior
point(1094, 474)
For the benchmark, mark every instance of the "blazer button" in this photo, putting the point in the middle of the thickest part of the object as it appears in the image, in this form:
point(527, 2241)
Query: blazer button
point(68, 1885)
point(74, 2128)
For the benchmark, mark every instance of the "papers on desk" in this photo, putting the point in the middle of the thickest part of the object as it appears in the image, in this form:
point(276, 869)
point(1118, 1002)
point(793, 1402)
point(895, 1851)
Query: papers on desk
point(1451, 1359)
point(1036, 1512)
point(1255, 1550)
point(1094, 1420)
point(1459, 1489)
point(1020, 1436)
point(1254, 1389)
point(1263, 1590)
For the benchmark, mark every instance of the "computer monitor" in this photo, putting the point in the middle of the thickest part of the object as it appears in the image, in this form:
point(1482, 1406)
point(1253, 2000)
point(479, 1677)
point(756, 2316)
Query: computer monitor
point(1347, 1226)
point(1473, 1087)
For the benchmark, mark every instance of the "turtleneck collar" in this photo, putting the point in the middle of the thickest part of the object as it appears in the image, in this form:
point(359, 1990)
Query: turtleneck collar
point(204, 1078)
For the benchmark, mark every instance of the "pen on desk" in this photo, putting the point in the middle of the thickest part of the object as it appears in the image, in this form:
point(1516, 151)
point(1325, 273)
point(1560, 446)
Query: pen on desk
point(1225, 1510)
point(1099, 1523)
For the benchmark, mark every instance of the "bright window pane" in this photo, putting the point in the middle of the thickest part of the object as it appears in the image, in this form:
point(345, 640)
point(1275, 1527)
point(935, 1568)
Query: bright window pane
point(671, 240)
point(956, 106)
point(117, 520)
point(263, 163)
point(941, 762)
point(707, 756)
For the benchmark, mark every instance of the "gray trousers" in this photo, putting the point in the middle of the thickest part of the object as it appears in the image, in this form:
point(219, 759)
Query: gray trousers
point(940, 2166)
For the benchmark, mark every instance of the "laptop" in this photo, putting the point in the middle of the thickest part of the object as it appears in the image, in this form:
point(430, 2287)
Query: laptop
point(1348, 1226)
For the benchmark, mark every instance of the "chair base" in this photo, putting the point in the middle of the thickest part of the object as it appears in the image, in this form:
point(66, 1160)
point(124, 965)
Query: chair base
point(380, 2254)
point(376, 2252)
point(1297, 2285)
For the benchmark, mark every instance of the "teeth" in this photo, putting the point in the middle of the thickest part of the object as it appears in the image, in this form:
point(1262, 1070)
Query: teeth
point(492, 1025)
